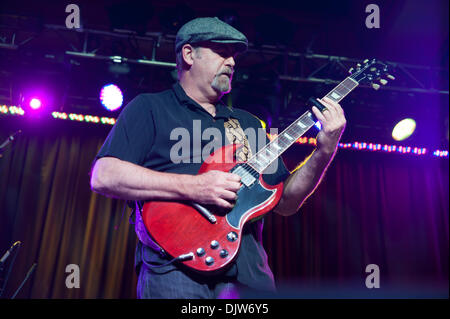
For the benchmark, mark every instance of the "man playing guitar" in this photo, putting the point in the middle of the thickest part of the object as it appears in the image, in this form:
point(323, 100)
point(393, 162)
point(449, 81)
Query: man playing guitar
point(137, 163)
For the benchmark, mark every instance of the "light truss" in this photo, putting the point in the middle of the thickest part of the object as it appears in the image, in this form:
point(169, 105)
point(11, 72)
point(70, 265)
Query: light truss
point(291, 66)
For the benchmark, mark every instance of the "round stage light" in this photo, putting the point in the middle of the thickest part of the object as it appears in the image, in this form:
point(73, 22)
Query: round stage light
point(111, 97)
point(35, 103)
point(403, 129)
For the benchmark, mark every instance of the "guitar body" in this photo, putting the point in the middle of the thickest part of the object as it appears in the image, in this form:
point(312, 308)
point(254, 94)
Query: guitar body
point(179, 228)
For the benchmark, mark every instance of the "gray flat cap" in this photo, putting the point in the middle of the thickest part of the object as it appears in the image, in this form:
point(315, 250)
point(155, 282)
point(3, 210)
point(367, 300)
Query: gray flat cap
point(210, 30)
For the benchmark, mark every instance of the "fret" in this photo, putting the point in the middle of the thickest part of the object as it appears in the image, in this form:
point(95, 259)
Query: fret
point(299, 123)
point(269, 153)
point(290, 138)
point(342, 89)
point(275, 148)
point(344, 86)
point(351, 83)
point(335, 96)
point(262, 159)
point(348, 80)
point(282, 141)
point(275, 145)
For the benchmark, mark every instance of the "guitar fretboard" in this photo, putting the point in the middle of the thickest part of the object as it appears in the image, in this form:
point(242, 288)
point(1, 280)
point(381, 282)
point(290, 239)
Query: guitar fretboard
point(342, 89)
point(269, 153)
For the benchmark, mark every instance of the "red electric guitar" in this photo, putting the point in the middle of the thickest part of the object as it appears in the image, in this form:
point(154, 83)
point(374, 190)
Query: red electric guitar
point(207, 240)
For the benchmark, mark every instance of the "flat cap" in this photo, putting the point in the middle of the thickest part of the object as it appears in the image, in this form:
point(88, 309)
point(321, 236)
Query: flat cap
point(210, 30)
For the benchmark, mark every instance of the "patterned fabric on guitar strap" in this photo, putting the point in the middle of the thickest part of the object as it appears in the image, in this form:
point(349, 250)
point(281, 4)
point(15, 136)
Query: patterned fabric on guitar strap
point(236, 135)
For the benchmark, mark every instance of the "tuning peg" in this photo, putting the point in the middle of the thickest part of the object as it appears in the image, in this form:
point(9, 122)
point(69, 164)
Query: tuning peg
point(375, 86)
point(365, 61)
point(358, 65)
point(383, 81)
point(351, 70)
point(390, 76)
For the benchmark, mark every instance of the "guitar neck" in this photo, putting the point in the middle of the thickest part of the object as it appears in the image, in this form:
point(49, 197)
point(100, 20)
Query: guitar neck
point(269, 153)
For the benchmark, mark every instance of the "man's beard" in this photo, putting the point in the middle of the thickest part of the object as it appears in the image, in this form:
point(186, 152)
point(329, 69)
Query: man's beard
point(222, 83)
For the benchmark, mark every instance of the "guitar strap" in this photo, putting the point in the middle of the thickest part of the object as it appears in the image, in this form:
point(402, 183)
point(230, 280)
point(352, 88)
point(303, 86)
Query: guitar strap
point(141, 231)
point(236, 135)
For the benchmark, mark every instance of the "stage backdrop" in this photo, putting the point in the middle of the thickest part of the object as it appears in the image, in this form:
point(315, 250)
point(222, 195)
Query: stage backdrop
point(384, 209)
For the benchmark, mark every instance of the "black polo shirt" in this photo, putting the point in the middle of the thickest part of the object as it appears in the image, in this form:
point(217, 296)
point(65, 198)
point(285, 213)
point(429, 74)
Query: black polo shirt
point(148, 130)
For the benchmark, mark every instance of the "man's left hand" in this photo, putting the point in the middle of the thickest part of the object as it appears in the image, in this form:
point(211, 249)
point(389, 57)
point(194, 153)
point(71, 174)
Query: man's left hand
point(333, 124)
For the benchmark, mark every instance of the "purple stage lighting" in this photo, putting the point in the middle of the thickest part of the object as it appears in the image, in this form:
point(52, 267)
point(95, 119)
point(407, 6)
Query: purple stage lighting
point(35, 103)
point(318, 125)
point(111, 97)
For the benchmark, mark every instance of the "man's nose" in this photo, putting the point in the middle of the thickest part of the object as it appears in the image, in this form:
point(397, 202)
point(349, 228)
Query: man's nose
point(230, 62)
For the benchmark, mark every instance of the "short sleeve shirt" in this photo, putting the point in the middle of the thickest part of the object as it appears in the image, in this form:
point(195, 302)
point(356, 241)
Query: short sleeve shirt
point(170, 132)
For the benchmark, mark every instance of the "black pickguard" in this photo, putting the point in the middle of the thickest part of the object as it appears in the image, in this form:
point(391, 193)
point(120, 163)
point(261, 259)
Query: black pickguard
point(248, 197)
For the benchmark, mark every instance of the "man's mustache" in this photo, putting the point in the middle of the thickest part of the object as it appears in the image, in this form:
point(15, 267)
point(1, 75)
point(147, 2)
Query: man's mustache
point(228, 72)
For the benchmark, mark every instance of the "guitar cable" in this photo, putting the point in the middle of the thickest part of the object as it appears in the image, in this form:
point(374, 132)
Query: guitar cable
point(179, 258)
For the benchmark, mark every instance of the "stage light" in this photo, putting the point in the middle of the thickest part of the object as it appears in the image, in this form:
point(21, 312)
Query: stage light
point(35, 103)
point(403, 129)
point(111, 97)
point(39, 93)
point(318, 125)
point(263, 124)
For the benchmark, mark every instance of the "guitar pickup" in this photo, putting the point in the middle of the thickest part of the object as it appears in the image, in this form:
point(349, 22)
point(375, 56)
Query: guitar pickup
point(246, 178)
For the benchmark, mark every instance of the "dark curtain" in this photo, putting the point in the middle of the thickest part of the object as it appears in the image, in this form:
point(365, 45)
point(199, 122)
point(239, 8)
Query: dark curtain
point(385, 209)
point(47, 204)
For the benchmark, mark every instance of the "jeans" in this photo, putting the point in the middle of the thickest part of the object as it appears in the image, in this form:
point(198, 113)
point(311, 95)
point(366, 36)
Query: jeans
point(179, 284)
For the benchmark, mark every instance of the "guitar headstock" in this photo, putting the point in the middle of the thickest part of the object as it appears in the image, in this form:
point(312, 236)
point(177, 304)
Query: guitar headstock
point(371, 72)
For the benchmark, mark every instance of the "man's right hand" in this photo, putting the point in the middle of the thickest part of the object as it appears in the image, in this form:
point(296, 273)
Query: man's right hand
point(121, 179)
point(215, 188)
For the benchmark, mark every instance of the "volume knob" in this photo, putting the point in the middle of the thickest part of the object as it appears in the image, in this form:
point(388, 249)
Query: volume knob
point(209, 260)
point(200, 252)
point(232, 236)
point(214, 244)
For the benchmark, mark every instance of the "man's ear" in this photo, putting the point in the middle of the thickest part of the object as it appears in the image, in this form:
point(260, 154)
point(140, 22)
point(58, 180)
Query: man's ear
point(187, 52)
